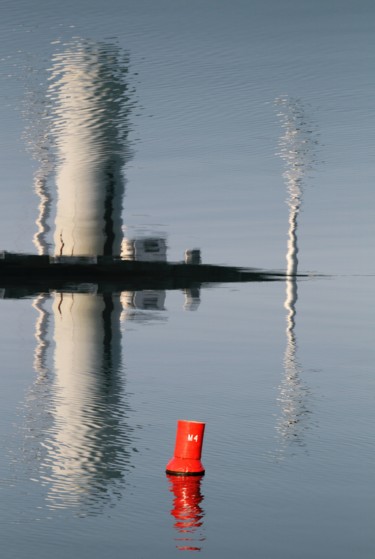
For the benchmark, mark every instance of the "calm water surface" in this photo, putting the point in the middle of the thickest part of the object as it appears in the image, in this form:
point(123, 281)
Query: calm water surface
point(148, 128)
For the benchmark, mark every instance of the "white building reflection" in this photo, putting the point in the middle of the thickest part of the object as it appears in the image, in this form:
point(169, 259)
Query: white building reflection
point(297, 149)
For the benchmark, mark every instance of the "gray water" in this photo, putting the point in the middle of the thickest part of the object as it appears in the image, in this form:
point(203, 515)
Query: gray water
point(244, 129)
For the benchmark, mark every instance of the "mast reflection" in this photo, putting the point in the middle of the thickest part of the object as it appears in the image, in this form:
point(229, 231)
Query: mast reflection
point(297, 149)
point(41, 335)
point(38, 142)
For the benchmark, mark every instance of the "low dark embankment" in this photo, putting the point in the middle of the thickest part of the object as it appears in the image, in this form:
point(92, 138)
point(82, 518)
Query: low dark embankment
point(38, 273)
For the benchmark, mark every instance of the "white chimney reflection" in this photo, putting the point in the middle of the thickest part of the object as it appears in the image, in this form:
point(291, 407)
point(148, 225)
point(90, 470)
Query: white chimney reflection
point(90, 126)
point(297, 149)
point(86, 449)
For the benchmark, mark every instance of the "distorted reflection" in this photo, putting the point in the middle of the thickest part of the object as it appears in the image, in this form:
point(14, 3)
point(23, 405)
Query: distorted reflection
point(77, 415)
point(187, 511)
point(192, 295)
point(192, 298)
point(90, 100)
point(137, 303)
point(297, 149)
point(40, 238)
point(36, 114)
point(41, 335)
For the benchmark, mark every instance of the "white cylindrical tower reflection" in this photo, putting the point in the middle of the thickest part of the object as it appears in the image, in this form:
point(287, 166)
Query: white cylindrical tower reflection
point(87, 446)
point(90, 126)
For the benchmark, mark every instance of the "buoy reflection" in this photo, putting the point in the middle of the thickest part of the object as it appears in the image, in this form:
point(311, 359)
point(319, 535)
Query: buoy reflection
point(187, 511)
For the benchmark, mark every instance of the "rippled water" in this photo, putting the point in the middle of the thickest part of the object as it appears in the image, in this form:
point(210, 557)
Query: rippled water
point(152, 130)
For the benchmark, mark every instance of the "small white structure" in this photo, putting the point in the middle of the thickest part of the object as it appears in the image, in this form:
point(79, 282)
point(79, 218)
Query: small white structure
point(147, 249)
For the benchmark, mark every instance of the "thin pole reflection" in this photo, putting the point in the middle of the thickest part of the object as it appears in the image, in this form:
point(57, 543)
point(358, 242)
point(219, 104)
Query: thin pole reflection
point(41, 335)
point(44, 212)
point(37, 135)
point(297, 149)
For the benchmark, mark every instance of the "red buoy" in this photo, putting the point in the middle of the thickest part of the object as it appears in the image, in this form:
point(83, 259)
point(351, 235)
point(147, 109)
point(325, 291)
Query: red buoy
point(186, 460)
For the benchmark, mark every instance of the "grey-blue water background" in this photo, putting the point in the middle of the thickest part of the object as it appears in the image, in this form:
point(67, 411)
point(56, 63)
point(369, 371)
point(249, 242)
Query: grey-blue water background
point(238, 110)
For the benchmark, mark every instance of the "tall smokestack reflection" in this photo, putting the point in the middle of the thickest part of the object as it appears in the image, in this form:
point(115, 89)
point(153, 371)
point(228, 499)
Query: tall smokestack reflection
point(87, 447)
point(90, 126)
point(297, 149)
point(187, 511)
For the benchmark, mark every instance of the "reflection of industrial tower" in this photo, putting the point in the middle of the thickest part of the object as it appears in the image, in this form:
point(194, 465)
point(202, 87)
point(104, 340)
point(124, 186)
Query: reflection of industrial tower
point(88, 445)
point(77, 409)
point(297, 150)
point(90, 126)
point(86, 449)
